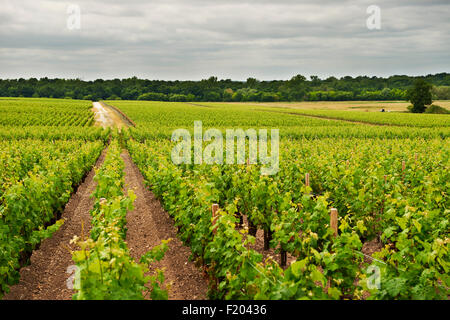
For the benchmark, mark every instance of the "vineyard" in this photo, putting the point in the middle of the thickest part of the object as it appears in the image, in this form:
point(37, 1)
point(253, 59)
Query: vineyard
point(359, 208)
point(390, 189)
point(42, 112)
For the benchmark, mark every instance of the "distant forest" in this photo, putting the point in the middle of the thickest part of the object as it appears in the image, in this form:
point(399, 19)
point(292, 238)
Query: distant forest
point(299, 88)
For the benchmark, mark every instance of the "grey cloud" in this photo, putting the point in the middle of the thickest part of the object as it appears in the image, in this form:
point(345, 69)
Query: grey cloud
point(174, 39)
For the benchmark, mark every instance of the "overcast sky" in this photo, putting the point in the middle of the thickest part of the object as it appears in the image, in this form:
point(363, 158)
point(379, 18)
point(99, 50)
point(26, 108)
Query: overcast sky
point(237, 39)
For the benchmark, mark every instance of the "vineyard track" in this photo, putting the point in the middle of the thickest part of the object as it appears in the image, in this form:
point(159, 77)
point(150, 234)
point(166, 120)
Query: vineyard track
point(106, 116)
point(198, 105)
point(333, 119)
point(123, 120)
point(101, 116)
point(46, 277)
point(147, 225)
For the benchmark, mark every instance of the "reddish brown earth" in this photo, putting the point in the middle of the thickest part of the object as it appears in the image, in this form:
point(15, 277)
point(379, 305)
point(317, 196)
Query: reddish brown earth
point(46, 277)
point(147, 225)
point(370, 247)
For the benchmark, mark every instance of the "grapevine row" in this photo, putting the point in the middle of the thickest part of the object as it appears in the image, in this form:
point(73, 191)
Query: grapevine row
point(106, 271)
point(30, 205)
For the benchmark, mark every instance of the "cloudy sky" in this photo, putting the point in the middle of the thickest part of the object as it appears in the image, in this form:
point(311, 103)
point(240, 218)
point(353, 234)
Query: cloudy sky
point(237, 39)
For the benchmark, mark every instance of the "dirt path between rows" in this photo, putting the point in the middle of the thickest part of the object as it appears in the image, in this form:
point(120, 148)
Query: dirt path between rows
point(106, 116)
point(147, 225)
point(47, 276)
point(101, 115)
point(332, 119)
point(198, 105)
point(119, 116)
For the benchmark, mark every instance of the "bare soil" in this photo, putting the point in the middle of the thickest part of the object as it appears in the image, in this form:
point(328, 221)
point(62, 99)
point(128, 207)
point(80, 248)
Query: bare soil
point(147, 225)
point(370, 247)
point(47, 276)
point(107, 116)
point(101, 115)
point(116, 112)
point(331, 119)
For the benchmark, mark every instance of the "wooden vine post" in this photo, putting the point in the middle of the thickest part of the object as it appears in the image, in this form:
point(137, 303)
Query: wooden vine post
point(334, 221)
point(307, 179)
point(214, 209)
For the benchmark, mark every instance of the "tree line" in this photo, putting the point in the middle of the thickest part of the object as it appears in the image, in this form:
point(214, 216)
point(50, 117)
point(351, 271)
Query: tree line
point(298, 88)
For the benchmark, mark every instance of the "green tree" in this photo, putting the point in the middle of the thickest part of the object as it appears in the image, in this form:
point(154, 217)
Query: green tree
point(178, 98)
point(237, 96)
point(269, 97)
point(212, 96)
point(252, 83)
point(211, 89)
point(420, 95)
point(297, 88)
point(153, 96)
point(315, 80)
point(441, 93)
point(228, 94)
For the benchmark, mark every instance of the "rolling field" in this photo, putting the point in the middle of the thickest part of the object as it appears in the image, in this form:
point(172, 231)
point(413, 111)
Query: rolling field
point(364, 106)
point(358, 207)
